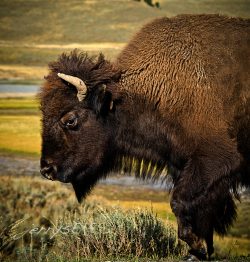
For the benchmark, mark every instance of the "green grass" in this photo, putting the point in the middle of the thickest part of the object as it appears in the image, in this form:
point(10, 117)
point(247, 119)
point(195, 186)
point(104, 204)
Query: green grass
point(17, 104)
point(20, 134)
point(12, 81)
point(19, 126)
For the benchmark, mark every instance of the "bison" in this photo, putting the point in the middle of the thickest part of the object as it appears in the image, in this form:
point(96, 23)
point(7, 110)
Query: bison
point(178, 95)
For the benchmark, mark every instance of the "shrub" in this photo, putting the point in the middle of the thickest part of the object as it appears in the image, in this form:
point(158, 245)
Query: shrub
point(94, 232)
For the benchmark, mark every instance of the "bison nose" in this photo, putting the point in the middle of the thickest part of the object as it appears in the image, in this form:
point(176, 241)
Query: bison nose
point(48, 169)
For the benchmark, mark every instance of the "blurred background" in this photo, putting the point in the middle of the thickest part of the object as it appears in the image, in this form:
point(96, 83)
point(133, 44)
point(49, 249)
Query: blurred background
point(35, 32)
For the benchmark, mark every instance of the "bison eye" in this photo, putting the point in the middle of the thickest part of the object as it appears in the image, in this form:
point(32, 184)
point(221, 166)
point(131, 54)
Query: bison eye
point(71, 123)
point(69, 120)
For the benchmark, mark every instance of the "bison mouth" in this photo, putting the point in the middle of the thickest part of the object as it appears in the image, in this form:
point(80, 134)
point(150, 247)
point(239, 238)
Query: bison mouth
point(54, 173)
point(67, 172)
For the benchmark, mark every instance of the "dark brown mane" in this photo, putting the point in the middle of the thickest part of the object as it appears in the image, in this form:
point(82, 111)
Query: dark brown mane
point(94, 70)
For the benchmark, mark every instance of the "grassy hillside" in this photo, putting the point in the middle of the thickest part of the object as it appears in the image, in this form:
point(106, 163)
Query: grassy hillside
point(34, 32)
point(91, 21)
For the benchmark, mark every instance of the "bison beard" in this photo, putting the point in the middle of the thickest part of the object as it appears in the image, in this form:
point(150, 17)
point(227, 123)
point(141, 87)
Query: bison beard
point(83, 184)
point(178, 96)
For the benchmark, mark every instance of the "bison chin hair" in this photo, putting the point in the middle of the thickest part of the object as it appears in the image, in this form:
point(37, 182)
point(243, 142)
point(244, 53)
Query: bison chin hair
point(86, 180)
point(83, 184)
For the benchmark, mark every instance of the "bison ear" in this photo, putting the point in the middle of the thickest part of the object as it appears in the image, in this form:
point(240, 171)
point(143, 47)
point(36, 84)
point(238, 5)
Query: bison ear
point(102, 102)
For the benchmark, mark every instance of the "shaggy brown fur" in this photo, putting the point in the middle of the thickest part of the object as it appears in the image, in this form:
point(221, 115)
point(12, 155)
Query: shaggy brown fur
point(181, 97)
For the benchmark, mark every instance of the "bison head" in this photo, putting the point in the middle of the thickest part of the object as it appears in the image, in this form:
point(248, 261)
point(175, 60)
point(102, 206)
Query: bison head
point(76, 139)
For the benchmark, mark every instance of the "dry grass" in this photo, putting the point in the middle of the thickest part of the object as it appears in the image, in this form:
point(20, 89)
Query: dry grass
point(41, 217)
point(20, 134)
point(49, 203)
point(19, 126)
point(19, 104)
point(20, 72)
point(162, 209)
point(232, 246)
point(35, 32)
point(101, 21)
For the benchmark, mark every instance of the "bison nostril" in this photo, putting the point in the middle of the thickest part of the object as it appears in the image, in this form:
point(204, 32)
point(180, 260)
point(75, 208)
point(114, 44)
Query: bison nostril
point(48, 170)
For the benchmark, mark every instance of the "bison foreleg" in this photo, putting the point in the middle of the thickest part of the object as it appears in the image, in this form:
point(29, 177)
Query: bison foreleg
point(202, 192)
point(210, 242)
point(186, 232)
point(196, 244)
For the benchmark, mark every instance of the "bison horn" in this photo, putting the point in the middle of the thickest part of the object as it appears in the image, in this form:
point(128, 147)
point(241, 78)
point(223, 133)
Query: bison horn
point(77, 82)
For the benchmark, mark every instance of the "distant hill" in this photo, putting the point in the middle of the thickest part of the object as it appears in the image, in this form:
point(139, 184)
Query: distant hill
point(63, 21)
point(35, 32)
